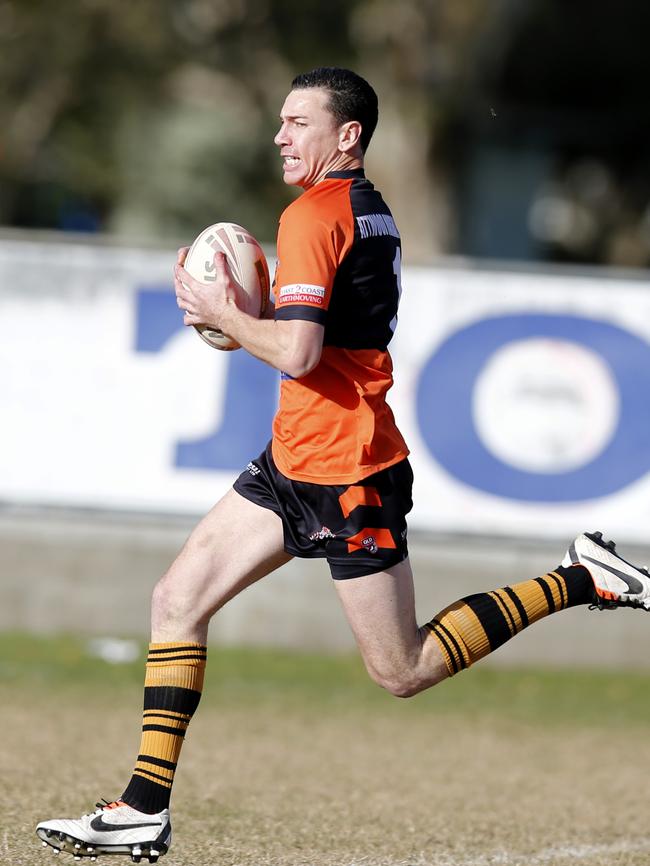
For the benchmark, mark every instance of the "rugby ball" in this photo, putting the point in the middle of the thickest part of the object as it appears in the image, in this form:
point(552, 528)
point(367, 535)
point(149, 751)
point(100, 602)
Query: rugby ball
point(248, 268)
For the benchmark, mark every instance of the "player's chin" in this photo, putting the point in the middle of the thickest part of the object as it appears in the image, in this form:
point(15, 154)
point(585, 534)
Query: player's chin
point(292, 178)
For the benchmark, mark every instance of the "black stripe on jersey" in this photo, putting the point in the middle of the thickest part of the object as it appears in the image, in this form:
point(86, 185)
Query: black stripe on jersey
point(301, 311)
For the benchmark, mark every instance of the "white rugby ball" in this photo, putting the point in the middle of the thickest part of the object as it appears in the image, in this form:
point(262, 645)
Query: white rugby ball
point(248, 268)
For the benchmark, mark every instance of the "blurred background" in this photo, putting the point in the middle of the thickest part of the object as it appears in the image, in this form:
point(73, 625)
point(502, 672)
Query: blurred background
point(514, 150)
point(509, 129)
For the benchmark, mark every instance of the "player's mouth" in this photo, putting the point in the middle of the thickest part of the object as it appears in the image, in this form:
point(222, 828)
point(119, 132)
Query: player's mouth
point(291, 161)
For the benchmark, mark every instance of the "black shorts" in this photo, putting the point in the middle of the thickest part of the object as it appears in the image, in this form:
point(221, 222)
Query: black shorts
point(359, 528)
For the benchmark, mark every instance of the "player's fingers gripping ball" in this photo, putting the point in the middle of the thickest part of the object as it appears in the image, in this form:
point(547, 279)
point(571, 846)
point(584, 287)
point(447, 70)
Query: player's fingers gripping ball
point(247, 267)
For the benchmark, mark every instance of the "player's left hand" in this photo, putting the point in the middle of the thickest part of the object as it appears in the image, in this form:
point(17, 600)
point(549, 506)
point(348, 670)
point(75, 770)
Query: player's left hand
point(203, 303)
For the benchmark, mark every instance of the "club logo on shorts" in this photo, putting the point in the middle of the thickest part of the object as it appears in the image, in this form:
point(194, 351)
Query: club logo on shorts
point(370, 543)
point(321, 533)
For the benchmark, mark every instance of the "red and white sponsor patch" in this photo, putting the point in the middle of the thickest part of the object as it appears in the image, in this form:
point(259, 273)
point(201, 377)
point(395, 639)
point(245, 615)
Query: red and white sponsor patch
point(302, 293)
point(371, 540)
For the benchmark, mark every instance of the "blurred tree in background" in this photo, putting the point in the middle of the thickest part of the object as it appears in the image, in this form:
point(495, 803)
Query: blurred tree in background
point(507, 129)
point(561, 170)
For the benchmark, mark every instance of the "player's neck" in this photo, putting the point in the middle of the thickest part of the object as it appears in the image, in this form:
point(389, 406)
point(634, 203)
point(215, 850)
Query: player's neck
point(344, 162)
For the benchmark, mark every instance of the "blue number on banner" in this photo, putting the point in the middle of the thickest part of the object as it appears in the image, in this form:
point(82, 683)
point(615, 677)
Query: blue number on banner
point(444, 409)
point(250, 394)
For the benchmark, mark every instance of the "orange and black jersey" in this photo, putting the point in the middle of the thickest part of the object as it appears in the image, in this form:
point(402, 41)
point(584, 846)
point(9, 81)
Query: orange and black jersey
point(339, 266)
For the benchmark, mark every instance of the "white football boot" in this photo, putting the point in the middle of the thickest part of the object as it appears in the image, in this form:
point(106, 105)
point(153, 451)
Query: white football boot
point(617, 583)
point(114, 828)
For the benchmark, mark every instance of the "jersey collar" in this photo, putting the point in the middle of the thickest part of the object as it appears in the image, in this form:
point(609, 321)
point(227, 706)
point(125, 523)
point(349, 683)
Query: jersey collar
point(344, 175)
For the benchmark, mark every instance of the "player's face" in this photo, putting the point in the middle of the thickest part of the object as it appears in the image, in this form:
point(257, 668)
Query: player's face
point(308, 138)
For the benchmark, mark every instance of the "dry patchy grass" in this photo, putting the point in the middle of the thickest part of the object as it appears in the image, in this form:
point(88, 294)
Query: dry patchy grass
point(354, 778)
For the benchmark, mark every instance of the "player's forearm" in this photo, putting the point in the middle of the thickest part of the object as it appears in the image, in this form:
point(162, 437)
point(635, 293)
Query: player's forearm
point(280, 344)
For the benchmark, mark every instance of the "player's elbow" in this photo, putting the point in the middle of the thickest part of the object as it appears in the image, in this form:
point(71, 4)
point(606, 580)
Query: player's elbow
point(300, 364)
point(302, 346)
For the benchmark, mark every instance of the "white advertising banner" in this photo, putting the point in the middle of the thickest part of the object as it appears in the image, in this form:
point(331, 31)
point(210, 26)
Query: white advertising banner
point(525, 397)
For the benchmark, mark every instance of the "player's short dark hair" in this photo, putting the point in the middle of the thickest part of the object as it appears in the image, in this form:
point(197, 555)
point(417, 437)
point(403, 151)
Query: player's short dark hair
point(351, 97)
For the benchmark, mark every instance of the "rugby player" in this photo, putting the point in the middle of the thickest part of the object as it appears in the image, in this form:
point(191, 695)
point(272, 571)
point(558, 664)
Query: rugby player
point(333, 482)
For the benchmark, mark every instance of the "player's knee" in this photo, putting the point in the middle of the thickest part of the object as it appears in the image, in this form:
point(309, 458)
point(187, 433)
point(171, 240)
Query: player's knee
point(400, 684)
point(162, 606)
point(405, 680)
point(405, 688)
point(174, 605)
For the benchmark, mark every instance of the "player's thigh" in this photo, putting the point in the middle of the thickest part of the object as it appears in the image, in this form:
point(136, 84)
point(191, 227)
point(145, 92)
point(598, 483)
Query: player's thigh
point(235, 544)
point(380, 608)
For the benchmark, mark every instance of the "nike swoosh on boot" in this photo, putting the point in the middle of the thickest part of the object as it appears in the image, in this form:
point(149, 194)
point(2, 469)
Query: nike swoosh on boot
point(101, 826)
point(633, 584)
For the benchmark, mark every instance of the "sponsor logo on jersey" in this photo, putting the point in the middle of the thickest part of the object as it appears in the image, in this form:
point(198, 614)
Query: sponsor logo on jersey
point(302, 293)
point(253, 469)
point(375, 225)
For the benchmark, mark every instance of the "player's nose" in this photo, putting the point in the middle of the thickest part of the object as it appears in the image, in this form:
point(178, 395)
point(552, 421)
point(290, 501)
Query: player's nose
point(281, 136)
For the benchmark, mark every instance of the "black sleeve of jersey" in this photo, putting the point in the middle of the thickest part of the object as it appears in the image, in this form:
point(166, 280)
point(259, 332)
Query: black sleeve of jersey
point(304, 313)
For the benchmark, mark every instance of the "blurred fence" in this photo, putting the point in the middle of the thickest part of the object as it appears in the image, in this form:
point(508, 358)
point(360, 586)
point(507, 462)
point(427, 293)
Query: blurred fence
point(523, 395)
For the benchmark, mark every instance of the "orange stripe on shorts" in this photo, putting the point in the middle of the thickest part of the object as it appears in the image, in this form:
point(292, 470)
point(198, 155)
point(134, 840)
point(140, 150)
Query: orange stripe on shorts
point(357, 495)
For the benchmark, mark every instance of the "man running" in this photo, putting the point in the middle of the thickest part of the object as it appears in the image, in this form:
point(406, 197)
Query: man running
point(334, 481)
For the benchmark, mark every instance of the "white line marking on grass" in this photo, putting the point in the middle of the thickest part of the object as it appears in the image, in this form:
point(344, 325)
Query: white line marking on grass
point(556, 855)
point(581, 852)
point(559, 854)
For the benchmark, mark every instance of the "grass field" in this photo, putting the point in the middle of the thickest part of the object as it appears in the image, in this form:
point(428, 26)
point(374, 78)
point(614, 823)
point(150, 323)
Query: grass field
point(299, 759)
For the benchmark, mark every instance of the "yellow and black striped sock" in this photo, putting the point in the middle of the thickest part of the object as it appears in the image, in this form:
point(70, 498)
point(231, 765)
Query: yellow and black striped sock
point(475, 626)
point(172, 690)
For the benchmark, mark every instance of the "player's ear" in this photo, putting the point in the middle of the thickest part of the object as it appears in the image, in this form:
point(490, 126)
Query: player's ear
point(349, 135)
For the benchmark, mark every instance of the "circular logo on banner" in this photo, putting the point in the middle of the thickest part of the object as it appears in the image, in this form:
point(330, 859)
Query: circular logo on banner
point(544, 405)
point(539, 407)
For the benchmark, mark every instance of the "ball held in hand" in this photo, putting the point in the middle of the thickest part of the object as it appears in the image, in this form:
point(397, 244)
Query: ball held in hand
point(248, 268)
